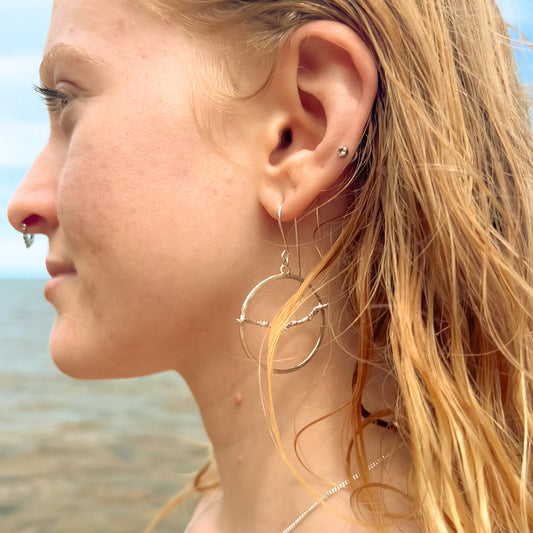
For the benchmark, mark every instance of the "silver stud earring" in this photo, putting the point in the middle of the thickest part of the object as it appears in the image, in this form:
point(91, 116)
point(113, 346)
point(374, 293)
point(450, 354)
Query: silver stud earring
point(28, 238)
point(285, 274)
point(342, 152)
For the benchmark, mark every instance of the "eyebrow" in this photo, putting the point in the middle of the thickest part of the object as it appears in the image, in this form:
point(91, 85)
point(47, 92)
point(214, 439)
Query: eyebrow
point(70, 53)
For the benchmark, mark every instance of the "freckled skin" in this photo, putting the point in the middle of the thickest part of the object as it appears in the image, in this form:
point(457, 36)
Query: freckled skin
point(127, 197)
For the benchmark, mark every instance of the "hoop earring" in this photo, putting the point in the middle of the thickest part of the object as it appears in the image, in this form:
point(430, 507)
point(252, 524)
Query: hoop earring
point(284, 274)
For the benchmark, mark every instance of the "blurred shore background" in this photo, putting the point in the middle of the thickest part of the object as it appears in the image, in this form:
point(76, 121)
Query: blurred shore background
point(85, 456)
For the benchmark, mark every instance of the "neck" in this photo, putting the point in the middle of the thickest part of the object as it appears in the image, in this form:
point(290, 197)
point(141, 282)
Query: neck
point(258, 490)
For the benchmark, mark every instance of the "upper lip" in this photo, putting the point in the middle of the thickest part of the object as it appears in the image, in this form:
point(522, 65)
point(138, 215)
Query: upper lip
point(57, 267)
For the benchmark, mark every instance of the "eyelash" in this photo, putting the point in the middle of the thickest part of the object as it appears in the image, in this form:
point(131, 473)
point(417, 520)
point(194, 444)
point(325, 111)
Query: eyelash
point(56, 100)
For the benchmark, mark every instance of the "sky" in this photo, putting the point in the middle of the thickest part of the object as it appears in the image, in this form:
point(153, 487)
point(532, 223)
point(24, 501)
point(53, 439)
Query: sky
point(24, 123)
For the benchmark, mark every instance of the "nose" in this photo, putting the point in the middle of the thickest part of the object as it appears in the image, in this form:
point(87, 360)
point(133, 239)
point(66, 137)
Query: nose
point(34, 201)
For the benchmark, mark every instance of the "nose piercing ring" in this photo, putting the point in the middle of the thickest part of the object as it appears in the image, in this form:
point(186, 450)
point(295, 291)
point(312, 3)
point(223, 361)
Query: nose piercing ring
point(28, 239)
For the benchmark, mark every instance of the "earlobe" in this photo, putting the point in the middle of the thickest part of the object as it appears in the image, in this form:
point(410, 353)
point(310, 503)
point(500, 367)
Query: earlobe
point(322, 94)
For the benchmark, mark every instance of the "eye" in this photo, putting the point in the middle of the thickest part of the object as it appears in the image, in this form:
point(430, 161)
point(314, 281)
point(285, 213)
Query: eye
point(56, 100)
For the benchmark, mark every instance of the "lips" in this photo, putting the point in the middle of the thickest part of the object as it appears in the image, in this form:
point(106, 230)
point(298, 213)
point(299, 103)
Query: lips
point(61, 271)
point(57, 267)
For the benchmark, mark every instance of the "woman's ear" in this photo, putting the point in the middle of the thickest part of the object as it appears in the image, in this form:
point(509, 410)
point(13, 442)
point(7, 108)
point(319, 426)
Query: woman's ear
point(320, 99)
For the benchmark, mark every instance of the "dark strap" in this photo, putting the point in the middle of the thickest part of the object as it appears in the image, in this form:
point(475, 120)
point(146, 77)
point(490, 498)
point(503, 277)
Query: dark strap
point(378, 421)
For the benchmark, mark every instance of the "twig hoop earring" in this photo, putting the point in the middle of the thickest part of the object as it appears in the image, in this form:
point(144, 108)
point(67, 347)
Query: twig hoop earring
point(28, 239)
point(318, 309)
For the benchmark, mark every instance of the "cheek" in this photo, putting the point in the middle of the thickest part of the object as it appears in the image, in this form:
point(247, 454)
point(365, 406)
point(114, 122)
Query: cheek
point(152, 232)
point(110, 176)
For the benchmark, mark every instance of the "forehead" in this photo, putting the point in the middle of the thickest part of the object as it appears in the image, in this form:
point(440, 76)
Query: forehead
point(115, 39)
point(70, 17)
point(105, 26)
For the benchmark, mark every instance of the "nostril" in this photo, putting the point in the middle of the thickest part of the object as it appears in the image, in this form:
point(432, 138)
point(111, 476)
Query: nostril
point(31, 225)
point(31, 220)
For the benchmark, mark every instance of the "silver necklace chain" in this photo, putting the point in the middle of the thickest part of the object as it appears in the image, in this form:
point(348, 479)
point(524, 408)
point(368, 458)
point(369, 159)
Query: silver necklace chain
point(332, 491)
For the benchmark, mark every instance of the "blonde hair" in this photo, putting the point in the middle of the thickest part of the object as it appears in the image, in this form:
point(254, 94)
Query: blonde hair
point(436, 252)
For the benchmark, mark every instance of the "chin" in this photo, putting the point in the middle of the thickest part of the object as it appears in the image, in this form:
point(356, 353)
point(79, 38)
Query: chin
point(85, 365)
point(94, 360)
point(75, 365)
point(77, 359)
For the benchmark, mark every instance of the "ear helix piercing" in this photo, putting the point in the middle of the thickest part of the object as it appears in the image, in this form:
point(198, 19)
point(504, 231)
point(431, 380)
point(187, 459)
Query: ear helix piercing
point(342, 152)
point(28, 238)
point(285, 274)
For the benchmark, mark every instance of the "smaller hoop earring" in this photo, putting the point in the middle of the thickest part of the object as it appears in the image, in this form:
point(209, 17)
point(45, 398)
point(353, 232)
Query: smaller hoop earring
point(285, 274)
point(343, 152)
point(28, 238)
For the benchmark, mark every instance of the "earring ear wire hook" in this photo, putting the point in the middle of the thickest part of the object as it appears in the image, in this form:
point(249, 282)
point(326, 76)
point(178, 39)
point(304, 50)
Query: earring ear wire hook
point(285, 253)
point(285, 268)
point(281, 227)
point(297, 247)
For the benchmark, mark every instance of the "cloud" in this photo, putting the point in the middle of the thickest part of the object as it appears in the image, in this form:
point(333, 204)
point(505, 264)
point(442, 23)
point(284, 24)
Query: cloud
point(19, 72)
point(19, 66)
point(23, 25)
point(21, 142)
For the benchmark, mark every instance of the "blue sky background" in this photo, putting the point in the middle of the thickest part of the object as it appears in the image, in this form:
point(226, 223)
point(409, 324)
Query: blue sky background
point(23, 119)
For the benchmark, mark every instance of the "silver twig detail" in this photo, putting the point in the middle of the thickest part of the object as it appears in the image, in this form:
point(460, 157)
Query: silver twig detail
point(266, 324)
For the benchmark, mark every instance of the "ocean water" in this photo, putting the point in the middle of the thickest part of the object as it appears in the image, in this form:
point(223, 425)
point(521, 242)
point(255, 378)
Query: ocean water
point(85, 456)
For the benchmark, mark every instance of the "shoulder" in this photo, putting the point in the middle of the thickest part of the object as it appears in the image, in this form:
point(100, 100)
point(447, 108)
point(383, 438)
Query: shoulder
point(204, 517)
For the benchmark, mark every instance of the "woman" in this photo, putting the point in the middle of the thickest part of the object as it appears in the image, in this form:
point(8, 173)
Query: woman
point(381, 147)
